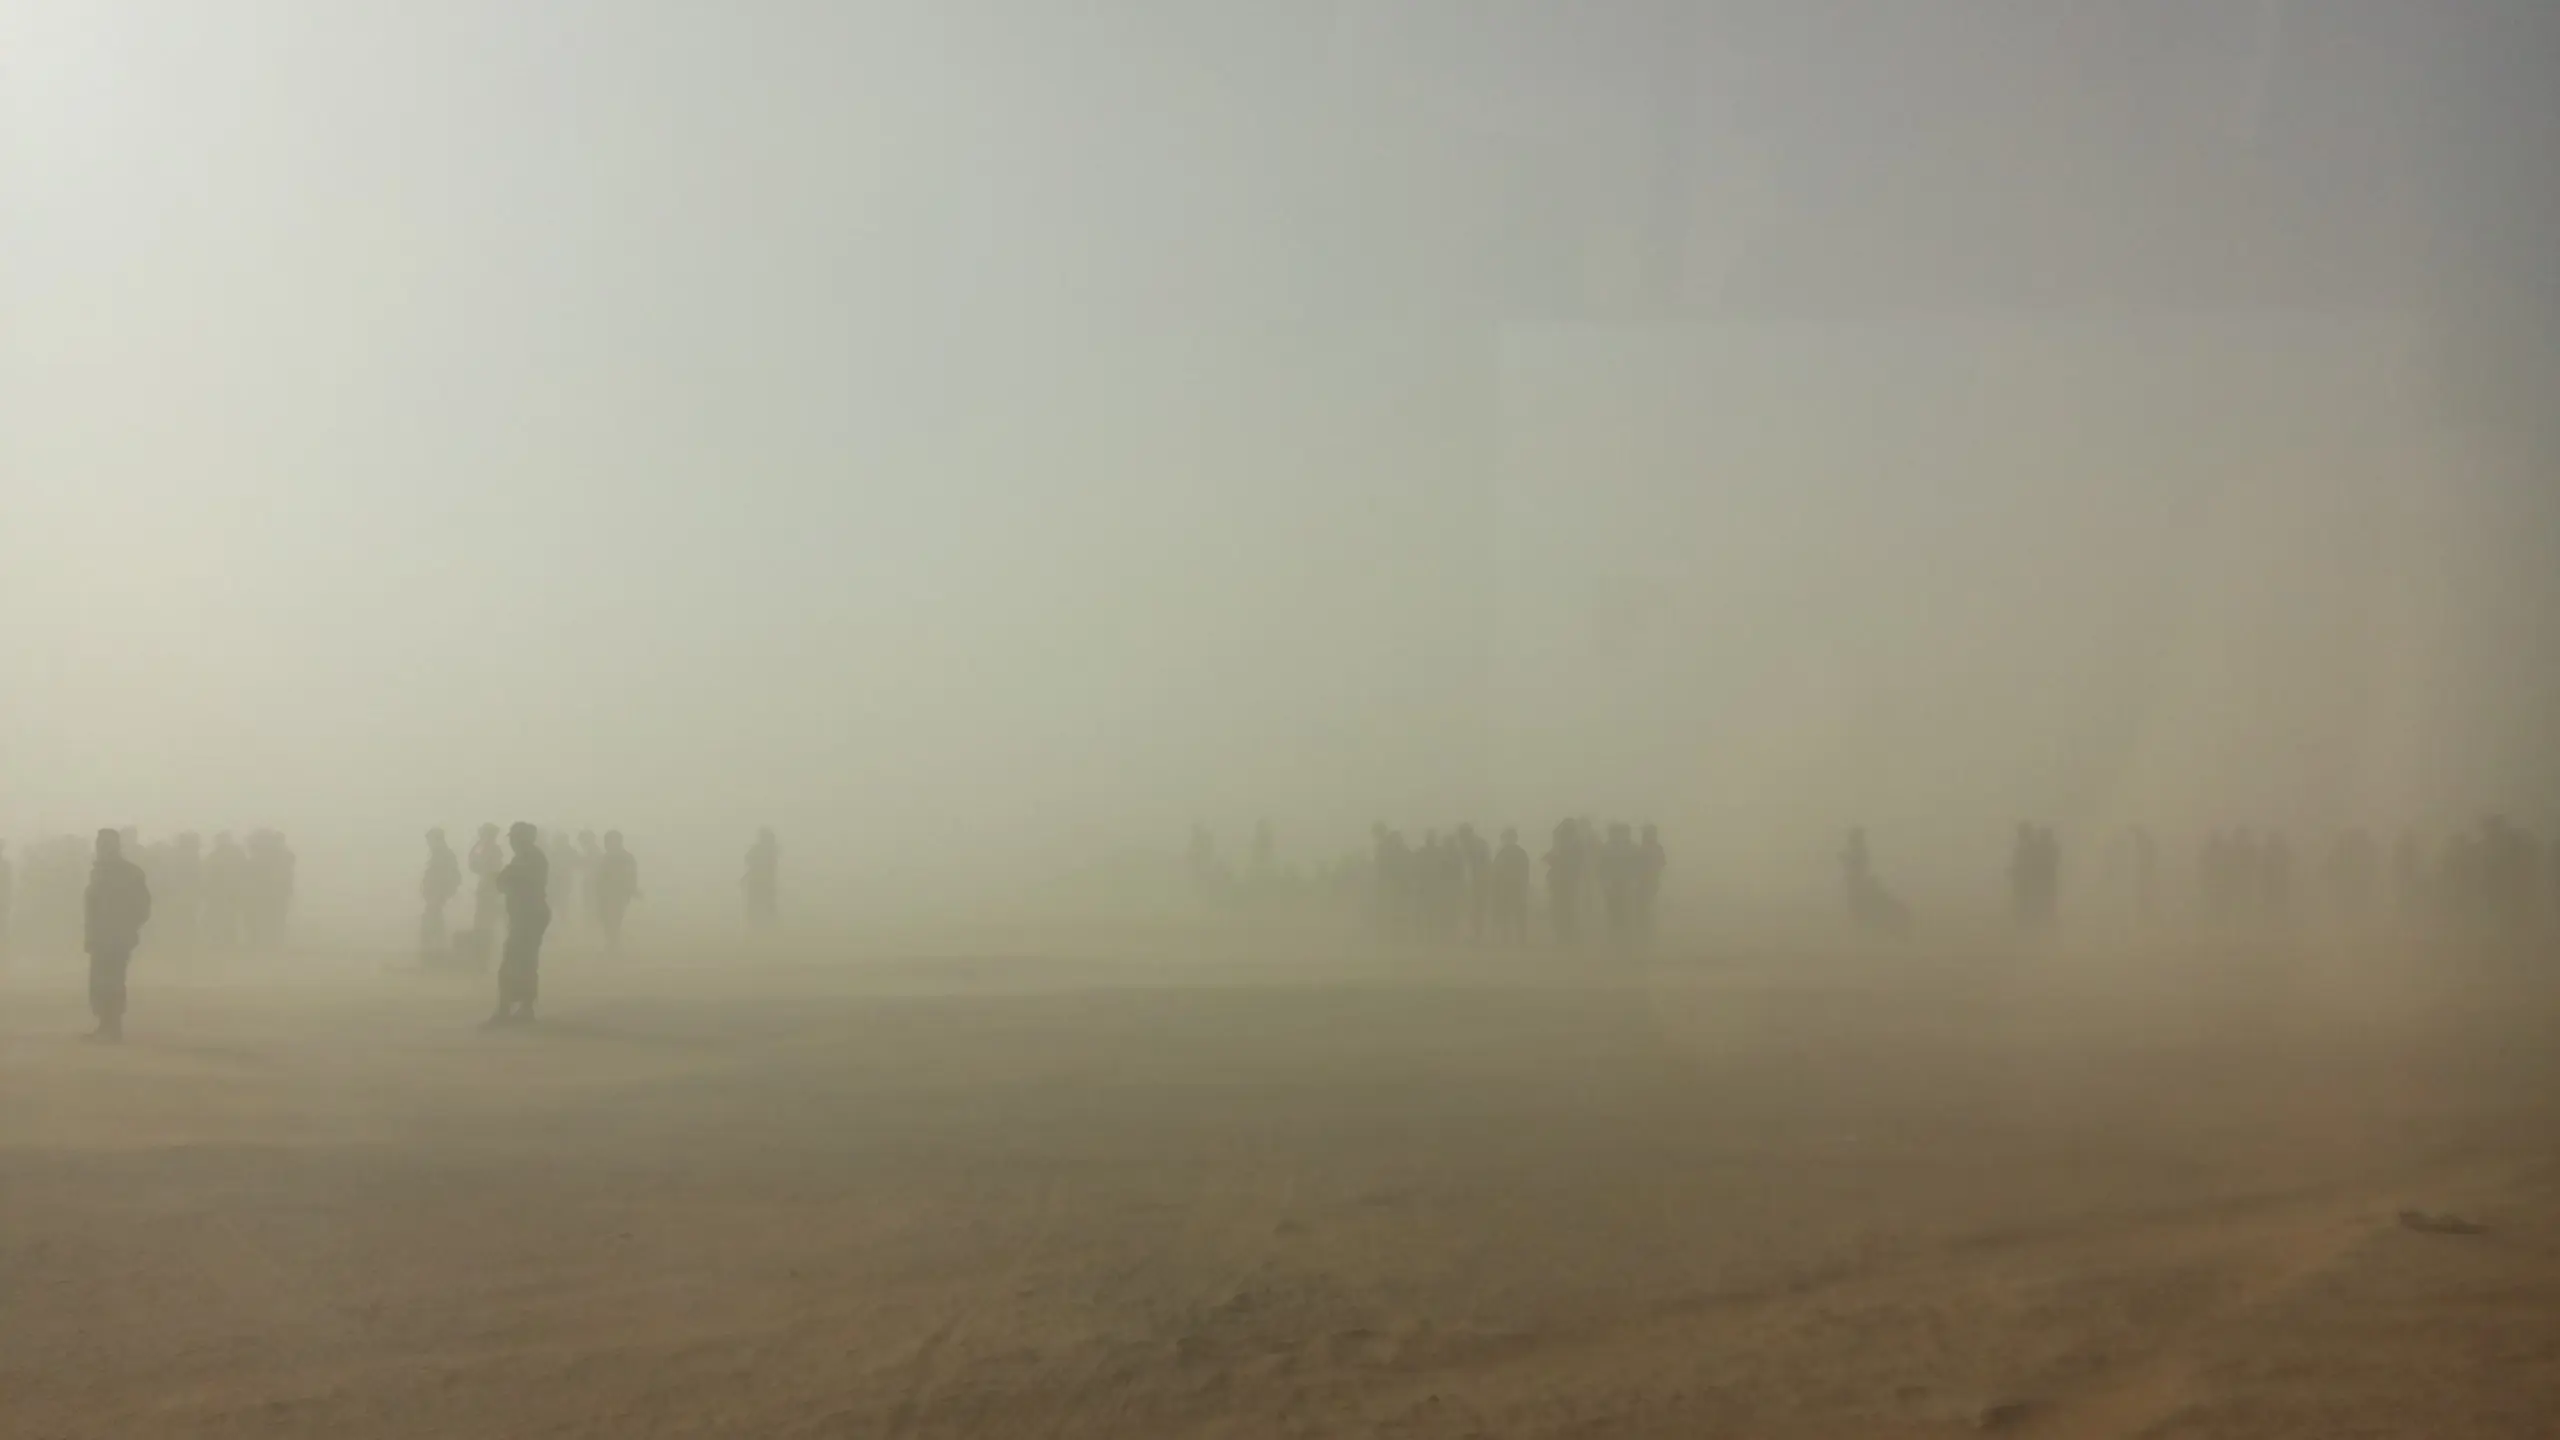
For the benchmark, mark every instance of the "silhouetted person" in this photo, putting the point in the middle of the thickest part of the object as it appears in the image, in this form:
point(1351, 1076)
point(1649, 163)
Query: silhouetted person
point(525, 884)
point(763, 881)
point(1566, 862)
point(2409, 876)
point(1651, 861)
point(1395, 865)
point(437, 888)
point(1432, 872)
point(1510, 887)
point(182, 905)
point(226, 881)
point(2146, 875)
point(589, 857)
point(2353, 863)
point(567, 867)
point(2457, 887)
point(117, 904)
point(488, 857)
point(1475, 861)
point(1872, 907)
point(2022, 876)
point(616, 883)
point(1618, 864)
point(2275, 878)
point(269, 894)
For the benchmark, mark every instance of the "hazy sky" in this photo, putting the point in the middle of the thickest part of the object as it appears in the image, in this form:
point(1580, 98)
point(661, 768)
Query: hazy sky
point(951, 429)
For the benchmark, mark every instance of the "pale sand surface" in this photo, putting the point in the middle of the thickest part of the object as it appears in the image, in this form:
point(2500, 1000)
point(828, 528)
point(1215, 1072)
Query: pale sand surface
point(1290, 1196)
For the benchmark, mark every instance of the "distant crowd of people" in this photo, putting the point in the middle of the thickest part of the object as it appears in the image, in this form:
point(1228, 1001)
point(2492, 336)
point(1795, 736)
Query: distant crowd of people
point(232, 896)
point(1606, 884)
point(584, 878)
point(1455, 885)
point(226, 898)
point(1600, 884)
point(2487, 878)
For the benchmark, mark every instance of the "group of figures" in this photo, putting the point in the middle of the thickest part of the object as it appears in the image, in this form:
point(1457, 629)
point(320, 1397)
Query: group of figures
point(1455, 885)
point(186, 894)
point(228, 898)
point(113, 902)
point(527, 888)
point(2488, 879)
point(582, 877)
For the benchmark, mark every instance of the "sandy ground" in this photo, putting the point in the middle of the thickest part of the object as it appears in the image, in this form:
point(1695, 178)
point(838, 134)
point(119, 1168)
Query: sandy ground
point(1787, 1196)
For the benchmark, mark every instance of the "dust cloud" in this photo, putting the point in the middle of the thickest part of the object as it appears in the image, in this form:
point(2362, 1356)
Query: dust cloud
point(1658, 717)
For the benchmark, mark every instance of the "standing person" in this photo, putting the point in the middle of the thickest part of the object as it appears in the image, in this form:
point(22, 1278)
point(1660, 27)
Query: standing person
point(568, 871)
point(1564, 882)
point(226, 881)
point(1871, 906)
point(589, 857)
point(1618, 862)
point(117, 904)
point(1651, 861)
point(526, 885)
point(2022, 877)
point(763, 880)
point(2146, 875)
point(487, 859)
point(437, 888)
point(1511, 891)
point(1477, 858)
point(177, 893)
point(616, 883)
point(270, 888)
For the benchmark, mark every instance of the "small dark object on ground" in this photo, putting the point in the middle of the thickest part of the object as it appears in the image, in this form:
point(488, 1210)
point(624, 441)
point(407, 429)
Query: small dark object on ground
point(2426, 1224)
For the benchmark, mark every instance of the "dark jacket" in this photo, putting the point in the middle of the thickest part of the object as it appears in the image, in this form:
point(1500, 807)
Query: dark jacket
point(119, 901)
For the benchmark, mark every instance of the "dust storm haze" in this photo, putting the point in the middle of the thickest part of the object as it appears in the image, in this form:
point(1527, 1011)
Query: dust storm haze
point(985, 440)
point(968, 437)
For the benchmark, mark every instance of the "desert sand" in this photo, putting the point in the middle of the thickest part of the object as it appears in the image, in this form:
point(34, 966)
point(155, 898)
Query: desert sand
point(1292, 1192)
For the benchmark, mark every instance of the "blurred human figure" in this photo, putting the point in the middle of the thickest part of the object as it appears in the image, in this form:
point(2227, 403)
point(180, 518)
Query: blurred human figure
point(1510, 891)
point(1431, 872)
point(2146, 875)
point(2246, 881)
point(2035, 876)
point(1386, 879)
point(487, 859)
point(226, 883)
point(1475, 861)
point(2409, 876)
point(2275, 879)
point(525, 884)
point(178, 897)
point(2457, 886)
point(2022, 876)
point(1872, 907)
point(1566, 863)
point(1618, 862)
point(2354, 865)
point(616, 883)
point(1651, 860)
point(560, 850)
point(763, 880)
point(437, 888)
point(117, 905)
point(590, 856)
point(270, 888)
